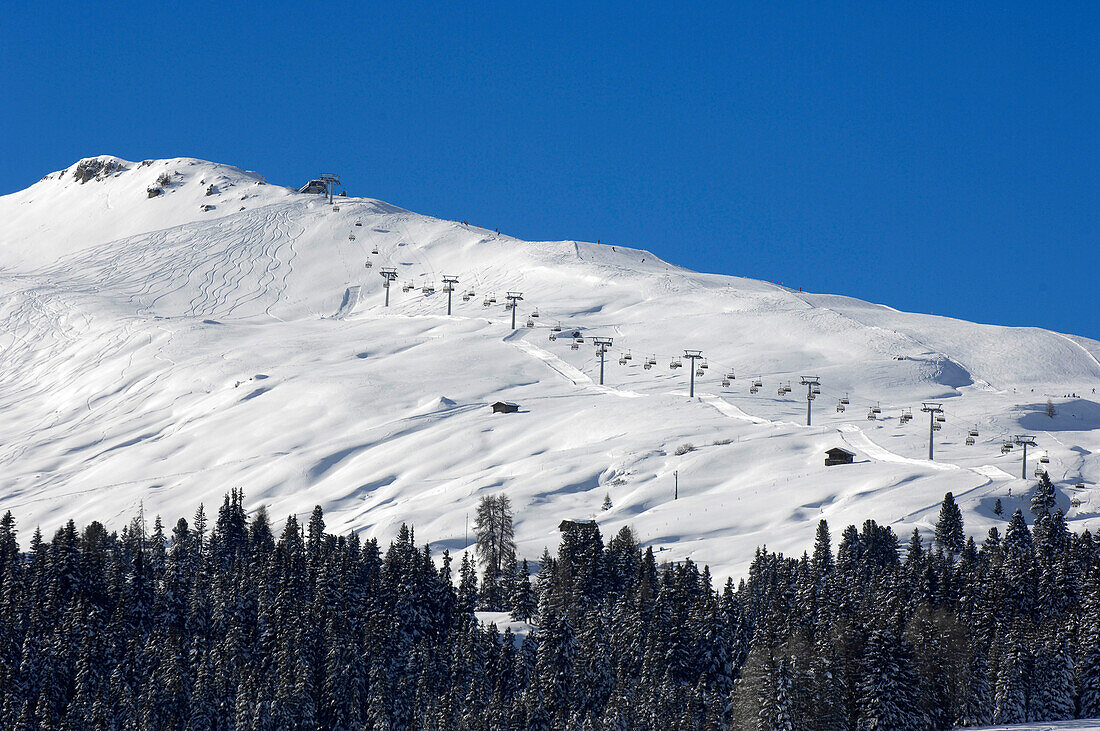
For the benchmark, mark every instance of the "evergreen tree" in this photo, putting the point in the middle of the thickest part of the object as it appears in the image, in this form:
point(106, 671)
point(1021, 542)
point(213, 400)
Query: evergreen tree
point(949, 526)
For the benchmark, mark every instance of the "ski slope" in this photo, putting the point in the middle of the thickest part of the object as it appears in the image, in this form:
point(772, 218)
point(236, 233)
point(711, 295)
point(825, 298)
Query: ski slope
point(157, 351)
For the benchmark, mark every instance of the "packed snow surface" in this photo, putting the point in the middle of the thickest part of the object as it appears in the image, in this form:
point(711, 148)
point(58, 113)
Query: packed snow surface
point(174, 328)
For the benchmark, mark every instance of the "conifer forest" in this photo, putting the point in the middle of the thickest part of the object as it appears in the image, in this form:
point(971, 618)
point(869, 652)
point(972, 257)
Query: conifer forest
point(225, 623)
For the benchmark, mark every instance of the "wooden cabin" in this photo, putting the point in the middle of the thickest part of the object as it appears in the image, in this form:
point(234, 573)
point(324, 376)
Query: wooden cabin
point(505, 407)
point(837, 455)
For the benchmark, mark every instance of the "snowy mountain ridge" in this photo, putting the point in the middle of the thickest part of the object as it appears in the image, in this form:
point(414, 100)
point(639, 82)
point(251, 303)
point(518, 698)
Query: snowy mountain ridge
point(173, 328)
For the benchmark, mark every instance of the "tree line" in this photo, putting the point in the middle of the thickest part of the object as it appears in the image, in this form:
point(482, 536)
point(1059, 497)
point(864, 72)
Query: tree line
point(230, 626)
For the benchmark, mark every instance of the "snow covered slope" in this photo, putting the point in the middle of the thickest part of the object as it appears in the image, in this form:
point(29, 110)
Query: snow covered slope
point(160, 350)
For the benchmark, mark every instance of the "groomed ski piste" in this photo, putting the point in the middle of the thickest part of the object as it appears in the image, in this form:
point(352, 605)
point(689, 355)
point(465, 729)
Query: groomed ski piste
point(160, 348)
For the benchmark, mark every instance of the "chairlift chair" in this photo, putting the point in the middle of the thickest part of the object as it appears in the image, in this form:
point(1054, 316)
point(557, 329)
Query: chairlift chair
point(492, 299)
point(725, 383)
point(758, 383)
point(731, 376)
point(876, 409)
point(674, 364)
point(871, 415)
point(699, 372)
point(845, 400)
point(406, 287)
point(358, 223)
point(485, 303)
point(628, 356)
point(574, 345)
point(509, 305)
point(374, 250)
point(970, 441)
point(579, 339)
point(368, 265)
point(336, 209)
point(557, 328)
point(941, 418)
point(530, 322)
point(351, 237)
point(840, 408)
point(553, 336)
point(647, 365)
point(428, 289)
point(815, 391)
point(1044, 459)
point(622, 360)
point(974, 432)
point(704, 364)
point(1039, 472)
point(753, 389)
point(535, 313)
point(936, 427)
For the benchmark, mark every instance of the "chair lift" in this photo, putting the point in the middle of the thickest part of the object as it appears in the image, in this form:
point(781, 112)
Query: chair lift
point(704, 364)
point(941, 418)
point(375, 249)
point(845, 400)
point(731, 376)
point(725, 383)
point(351, 237)
point(557, 328)
point(753, 388)
point(535, 313)
point(758, 383)
point(530, 322)
point(936, 427)
point(358, 223)
point(652, 360)
point(906, 415)
point(647, 365)
point(871, 415)
point(407, 287)
point(813, 391)
point(428, 289)
point(579, 338)
point(674, 364)
point(1039, 471)
point(509, 305)
point(1006, 447)
point(1044, 459)
point(970, 441)
point(628, 356)
point(875, 409)
point(466, 297)
point(336, 209)
point(485, 302)
point(699, 372)
point(1080, 485)
point(553, 335)
point(622, 359)
point(840, 408)
point(368, 265)
point(973, 432)
point(574, 345)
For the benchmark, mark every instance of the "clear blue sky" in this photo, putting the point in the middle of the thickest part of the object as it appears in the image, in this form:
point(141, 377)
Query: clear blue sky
point(937, 157)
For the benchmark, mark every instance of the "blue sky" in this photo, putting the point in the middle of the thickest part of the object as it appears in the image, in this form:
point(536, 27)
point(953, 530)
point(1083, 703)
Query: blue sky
point(938, 157)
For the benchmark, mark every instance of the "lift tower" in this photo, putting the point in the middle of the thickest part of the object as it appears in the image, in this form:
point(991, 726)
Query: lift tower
point(331, 180)
point(935, 413)
point(1025, 441)
point(388, 274)
point(513, 298)
point(449, 282)
point(812, 383)
point(693, 355)
point(602, 346)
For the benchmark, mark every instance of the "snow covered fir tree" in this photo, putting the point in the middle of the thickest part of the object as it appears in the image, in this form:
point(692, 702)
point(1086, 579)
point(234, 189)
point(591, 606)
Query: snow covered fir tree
point(226, 624)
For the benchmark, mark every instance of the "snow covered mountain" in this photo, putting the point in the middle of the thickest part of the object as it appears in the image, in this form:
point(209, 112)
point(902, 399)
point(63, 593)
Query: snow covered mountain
point(173, 328)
